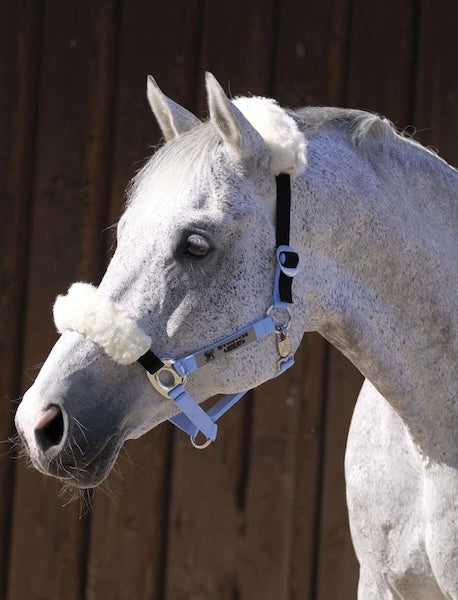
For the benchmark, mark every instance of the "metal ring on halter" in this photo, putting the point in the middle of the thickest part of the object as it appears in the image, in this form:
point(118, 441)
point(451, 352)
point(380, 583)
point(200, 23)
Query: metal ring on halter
point(165, 387)
point(207, 443)
point(288, 312)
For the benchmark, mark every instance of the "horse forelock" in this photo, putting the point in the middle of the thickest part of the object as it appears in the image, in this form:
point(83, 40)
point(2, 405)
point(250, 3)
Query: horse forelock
point(177, 162)
point(189, 155)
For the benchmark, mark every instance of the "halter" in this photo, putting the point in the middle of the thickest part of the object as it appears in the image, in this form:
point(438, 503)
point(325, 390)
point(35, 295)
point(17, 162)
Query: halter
point(99, 319)
point(168, 376)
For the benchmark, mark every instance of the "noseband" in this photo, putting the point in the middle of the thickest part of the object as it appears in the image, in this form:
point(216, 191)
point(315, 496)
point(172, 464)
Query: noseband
point(168, 376)
point(106, 324)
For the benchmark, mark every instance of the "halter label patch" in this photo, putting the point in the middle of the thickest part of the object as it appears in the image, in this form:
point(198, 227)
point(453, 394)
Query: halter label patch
point(223, 348)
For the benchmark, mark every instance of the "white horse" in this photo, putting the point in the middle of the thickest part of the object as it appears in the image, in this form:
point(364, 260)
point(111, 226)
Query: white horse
point(374, 221)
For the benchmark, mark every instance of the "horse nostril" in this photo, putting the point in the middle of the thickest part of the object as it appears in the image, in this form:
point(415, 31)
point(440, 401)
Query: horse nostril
point(49, 430)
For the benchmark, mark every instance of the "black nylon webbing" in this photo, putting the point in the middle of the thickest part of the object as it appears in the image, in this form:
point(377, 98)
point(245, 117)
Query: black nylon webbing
point(150, 362)
point(291, 259)
point(283, 209)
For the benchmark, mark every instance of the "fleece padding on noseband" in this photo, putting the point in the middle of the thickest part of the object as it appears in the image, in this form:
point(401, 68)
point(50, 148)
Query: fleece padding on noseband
point(280, 132)
point(84, 310)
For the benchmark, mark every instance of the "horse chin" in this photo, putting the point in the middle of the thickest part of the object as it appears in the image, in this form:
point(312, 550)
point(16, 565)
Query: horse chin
point(100, 466)
point(89, 474)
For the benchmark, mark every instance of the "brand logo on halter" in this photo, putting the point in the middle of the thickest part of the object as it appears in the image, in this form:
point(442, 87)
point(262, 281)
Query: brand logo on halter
point(233, 344)
point(209, 355)
point(223, 348)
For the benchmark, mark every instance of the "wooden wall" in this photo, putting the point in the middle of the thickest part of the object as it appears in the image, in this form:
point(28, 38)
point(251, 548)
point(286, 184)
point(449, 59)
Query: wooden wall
point(261, 514)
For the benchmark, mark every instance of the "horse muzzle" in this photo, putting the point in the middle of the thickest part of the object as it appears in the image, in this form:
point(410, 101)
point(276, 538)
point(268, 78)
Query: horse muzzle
point(61, 446)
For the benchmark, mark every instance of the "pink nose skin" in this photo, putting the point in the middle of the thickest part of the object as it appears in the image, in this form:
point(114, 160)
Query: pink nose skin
point(47, 417)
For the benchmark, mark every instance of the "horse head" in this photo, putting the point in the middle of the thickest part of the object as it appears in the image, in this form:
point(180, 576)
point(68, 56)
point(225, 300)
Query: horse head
point(195, 261)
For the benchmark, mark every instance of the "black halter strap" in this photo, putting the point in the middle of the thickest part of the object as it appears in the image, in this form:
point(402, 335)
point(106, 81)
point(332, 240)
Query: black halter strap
point(151, 362)
point(290, 259)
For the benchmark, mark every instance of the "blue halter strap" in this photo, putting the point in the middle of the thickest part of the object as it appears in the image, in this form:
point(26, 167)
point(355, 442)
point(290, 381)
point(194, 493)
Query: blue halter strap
point(169, 376)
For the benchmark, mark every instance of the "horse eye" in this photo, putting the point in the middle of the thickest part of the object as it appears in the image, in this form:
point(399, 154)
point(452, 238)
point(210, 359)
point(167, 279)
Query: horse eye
point(196, 246)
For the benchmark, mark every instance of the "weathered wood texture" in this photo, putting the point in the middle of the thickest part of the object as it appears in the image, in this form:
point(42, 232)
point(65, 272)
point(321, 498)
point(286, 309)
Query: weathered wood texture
point(262, 513)
point(136, 522)
point(19, 38)
point(72, 149)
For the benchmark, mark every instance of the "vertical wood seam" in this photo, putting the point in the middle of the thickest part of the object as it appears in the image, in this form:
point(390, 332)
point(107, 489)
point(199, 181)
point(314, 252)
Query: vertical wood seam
point(348, 51)
point(165, 512)
point(199, 45)
point(417, 13)
point(276, 27)
point(36, 53)
point(245, 453)
point(107, 175)
point(320, 475)
point(106, 184)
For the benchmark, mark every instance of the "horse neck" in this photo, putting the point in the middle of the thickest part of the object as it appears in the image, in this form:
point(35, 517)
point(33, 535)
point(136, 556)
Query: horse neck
point(380, 280)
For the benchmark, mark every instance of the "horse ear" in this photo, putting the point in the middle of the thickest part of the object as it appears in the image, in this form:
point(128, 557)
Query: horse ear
point(173, 119)
point(234, 128)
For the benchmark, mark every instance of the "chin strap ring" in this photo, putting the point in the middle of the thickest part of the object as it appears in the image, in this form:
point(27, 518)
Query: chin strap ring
point(205, 444)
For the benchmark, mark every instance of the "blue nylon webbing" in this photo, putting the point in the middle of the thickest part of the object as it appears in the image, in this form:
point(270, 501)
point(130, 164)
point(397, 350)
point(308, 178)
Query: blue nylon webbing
point(193, 421)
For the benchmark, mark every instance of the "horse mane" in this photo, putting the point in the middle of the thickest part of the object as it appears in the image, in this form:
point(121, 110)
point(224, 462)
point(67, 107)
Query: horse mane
point(364, 130)
point(368, 132)
point(359, 126)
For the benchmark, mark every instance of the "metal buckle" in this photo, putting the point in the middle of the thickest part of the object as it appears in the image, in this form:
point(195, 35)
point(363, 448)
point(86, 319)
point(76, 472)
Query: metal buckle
point(166, 378)
point(283, 341)
point(282, 251)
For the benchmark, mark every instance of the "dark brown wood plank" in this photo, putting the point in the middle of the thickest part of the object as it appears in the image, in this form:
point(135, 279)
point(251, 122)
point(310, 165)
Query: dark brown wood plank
point(208, 488)
point(379, 76)
point(19, 37)
point(205, 513)
point(311, 51)
point(436, 90)
point(308, 69)
point(381, 58)
point(281, 491)
point(161, 40)
point(237, 50)
point(126, 554)
point(338, 567)
point(127, 539)
point(277, 548)
point(264, 553)
point(68, 197)
point(306, 492)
